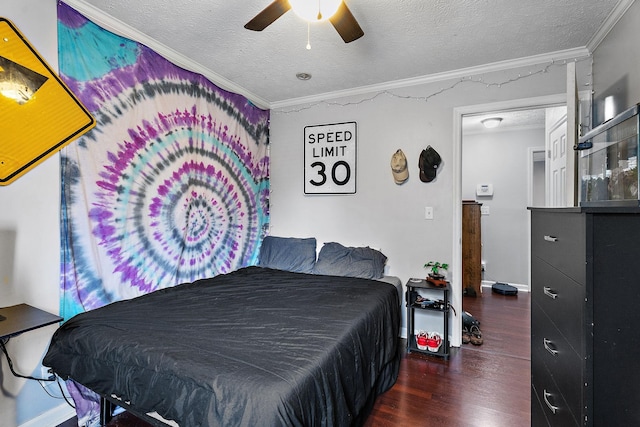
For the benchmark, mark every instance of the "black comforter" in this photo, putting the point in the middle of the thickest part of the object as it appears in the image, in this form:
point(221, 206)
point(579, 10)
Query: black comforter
point(256, 347)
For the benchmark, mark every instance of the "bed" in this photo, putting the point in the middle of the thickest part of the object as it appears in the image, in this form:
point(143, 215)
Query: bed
point(260, 346)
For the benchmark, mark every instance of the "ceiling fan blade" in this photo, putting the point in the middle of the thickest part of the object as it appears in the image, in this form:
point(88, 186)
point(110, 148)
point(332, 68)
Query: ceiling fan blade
point(269, 14)
point(345, 23)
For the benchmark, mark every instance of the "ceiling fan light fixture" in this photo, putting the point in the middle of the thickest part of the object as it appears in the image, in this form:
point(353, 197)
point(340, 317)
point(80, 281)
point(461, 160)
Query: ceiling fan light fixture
point(491, 122)
point(315, 10)
point(336, 11)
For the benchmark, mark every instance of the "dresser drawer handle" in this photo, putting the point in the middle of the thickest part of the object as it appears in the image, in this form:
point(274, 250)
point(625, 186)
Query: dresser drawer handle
point(550, 238)
point(549, 293)
point(548, 347)
point(546, 400)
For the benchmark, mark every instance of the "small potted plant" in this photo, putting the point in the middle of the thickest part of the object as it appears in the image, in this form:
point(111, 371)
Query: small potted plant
point(435, 267)
point(436, 277)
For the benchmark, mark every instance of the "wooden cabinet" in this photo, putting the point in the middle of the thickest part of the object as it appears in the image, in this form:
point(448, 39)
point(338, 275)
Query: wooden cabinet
point(471, 246)
point(584, 334)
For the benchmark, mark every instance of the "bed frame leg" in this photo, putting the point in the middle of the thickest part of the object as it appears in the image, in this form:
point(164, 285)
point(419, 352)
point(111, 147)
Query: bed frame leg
point(106, 409)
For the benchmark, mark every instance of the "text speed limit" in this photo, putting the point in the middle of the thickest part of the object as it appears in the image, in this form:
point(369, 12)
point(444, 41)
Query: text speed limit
point(330, 159)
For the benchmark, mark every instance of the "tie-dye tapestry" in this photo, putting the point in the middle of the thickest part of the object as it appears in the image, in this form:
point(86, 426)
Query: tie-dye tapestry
point(173, 183)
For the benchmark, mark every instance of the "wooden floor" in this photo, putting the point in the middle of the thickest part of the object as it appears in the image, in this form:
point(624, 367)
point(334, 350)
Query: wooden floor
point(486, 385)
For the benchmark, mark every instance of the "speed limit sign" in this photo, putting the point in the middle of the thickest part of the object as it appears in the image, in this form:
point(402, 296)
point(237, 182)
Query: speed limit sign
point(330, 159)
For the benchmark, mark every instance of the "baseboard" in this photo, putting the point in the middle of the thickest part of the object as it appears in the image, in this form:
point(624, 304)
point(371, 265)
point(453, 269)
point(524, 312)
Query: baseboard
point(489, 283)
point(53, 417)
point(403, 332)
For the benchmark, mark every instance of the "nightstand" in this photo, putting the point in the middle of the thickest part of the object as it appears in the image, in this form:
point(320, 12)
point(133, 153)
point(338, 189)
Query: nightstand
point(437, 301)
point(20, 318)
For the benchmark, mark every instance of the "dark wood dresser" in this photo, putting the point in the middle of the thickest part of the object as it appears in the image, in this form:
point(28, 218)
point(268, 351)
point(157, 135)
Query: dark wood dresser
point(585, 328)
point(471, 246)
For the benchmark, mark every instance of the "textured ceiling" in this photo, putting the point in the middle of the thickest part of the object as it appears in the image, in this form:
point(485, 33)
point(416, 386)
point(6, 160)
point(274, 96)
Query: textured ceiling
point(404, 39)
point(511, 120)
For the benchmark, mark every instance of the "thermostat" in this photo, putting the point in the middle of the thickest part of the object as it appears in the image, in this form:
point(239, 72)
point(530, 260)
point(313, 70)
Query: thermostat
point(484, 190)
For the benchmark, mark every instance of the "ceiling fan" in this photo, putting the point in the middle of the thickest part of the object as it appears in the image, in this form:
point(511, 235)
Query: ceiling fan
point(342, 20)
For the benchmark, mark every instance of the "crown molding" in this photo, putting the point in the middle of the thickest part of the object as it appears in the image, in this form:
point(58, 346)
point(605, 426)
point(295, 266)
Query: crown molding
point(558, 56)
point(118, 27)
point(618, 11)
point(112, 24)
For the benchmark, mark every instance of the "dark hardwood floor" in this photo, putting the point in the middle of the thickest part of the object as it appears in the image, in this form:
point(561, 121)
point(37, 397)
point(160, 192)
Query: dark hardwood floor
point(486, 385)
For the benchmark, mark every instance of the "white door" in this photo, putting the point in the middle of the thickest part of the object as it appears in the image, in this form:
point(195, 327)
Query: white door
point(556, 146)
point(561, 137)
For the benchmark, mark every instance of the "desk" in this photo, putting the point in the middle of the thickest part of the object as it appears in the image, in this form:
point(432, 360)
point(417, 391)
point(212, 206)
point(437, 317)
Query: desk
point(21, 318)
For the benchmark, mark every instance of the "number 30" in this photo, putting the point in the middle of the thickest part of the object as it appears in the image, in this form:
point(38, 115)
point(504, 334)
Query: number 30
point(322, 173)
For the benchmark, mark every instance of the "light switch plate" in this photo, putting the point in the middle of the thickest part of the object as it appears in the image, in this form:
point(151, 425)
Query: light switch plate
point(428, 212)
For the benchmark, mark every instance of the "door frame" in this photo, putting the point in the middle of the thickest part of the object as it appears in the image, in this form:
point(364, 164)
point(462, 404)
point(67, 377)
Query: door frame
point(530, 163)
point(531, 152)
point(456, 256)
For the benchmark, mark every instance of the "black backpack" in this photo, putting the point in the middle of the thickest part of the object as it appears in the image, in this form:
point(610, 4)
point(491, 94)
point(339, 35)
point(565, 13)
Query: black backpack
point(468, 321)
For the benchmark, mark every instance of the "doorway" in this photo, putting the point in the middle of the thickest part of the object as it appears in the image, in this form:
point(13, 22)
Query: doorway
point(494, 175)
point(496, 166)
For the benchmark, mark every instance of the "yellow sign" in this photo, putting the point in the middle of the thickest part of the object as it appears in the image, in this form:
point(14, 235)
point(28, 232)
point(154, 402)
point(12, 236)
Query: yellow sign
point(38, 113)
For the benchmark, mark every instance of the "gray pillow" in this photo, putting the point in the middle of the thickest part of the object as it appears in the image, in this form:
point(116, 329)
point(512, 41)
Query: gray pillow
point(288, 253)
point(337, 260)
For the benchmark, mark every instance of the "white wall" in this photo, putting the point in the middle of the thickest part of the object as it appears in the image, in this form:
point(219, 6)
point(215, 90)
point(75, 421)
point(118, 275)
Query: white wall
point(616, 68)
point(29, 235)
point(383, 214)
point(500, 157)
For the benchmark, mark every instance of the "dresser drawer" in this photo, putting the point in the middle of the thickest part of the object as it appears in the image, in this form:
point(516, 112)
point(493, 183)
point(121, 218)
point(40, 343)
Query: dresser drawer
point(548, 394)
point(558, 238)
point(561, 299)
point(566, 367)
point(538, 415)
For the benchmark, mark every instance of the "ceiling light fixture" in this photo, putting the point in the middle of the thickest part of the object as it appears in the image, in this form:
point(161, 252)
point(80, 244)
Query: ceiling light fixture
point(491, 122)
point(315, 11)
point(303, 76)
